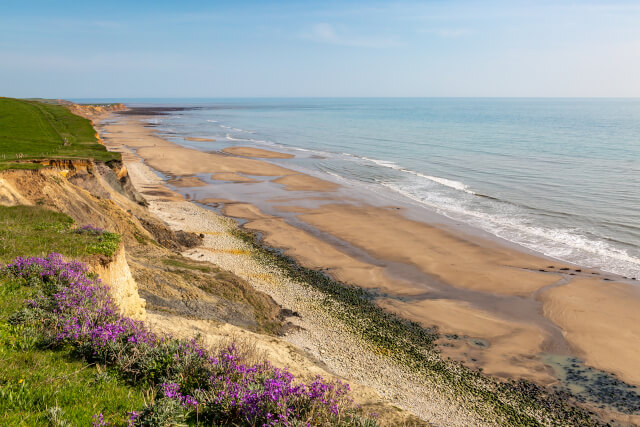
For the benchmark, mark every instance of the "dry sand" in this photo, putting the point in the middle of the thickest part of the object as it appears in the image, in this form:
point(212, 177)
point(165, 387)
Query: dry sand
point(464, 284)
point(257, 152)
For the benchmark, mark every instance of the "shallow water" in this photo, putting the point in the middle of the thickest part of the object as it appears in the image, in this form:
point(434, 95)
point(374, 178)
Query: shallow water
point(558, 176)
point(591, 385)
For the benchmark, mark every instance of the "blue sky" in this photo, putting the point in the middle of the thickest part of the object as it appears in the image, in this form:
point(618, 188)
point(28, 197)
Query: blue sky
point(345, 48)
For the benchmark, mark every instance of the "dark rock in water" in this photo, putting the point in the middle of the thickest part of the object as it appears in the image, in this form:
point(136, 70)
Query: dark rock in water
point(604, 390)
point(607, 279)
point(577, 270)
point(564, 269)
point(542, 269)
point(550, 266)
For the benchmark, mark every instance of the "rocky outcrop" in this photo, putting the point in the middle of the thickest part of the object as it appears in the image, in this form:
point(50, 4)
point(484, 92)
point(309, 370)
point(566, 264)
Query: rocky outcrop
point(67, 167)
point(93, 112)
point(122, 287)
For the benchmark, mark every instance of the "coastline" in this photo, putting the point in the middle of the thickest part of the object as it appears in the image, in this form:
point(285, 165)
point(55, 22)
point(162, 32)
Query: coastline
point(465, 285)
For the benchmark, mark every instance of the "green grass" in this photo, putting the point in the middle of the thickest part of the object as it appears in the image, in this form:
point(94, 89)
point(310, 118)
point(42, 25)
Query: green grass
point(35, 130)
point(40, 386)
point(34, 230)
point(44, 387)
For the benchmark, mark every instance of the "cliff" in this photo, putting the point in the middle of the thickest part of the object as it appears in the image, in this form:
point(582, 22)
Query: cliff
point(92, 112)
point(123, 288)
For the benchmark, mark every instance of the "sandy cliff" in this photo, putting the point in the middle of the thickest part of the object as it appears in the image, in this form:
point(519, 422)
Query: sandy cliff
point(123, 288)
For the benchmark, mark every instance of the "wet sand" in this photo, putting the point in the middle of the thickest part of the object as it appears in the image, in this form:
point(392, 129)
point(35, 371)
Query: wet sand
point(191, 138)
point(175, 160)
point(187, 181)
point(466, 285)
point(601, 321)
point(232, 177)
point(256, 152)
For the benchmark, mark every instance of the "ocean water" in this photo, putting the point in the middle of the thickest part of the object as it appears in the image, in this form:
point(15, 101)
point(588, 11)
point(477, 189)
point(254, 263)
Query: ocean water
point(558, 176)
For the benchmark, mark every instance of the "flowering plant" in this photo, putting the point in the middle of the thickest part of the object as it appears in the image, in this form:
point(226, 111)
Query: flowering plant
point(71, 307)
point(90, 229)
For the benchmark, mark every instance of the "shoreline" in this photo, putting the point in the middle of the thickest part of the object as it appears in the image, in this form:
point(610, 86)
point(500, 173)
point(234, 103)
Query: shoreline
point(456, 301)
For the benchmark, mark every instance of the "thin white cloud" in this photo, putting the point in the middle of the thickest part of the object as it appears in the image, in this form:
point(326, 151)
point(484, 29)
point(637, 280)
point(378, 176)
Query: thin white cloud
point(326, 33)
point(447, 33)
point(109, 25)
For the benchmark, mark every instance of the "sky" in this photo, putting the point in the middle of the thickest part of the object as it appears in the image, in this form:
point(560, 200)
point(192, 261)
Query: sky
point(141, 49)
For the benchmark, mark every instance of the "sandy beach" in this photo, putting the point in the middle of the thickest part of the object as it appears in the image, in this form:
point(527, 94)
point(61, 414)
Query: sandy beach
point(256, 152)
point(517, 305)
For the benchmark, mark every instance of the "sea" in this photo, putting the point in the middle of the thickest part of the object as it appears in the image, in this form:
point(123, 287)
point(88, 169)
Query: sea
point(557, 176)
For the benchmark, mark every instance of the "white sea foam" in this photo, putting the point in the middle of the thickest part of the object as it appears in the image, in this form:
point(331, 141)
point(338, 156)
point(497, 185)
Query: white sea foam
point(243, 130)
point(230, 138)
point(442, 181)
point(235, 129)
point(385, 163)
point(503, 220)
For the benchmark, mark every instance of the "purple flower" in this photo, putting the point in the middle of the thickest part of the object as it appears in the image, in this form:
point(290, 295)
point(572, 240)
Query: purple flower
point(74, 308)
point(98, 420)
point(90, 229)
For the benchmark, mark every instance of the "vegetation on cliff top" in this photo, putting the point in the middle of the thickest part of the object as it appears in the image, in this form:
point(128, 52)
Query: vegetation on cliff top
point(71, 358)
point(34, 130)
point(40, 386)
point(34, 230)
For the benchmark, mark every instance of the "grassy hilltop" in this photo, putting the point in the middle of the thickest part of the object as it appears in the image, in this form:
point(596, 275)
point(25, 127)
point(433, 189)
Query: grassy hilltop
point(39, 386)
point(68, 357)
point(35, 130)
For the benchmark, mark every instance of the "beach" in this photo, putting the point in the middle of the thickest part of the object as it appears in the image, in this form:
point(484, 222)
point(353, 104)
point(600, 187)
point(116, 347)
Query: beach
point(499, 308)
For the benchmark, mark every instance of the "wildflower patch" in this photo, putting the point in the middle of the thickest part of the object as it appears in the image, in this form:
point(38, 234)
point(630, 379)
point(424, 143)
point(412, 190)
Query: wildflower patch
point(71, 309)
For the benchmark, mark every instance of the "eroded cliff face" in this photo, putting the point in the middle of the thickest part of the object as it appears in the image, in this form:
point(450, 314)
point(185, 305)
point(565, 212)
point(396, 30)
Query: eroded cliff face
point(92, 112)
point(122, 287)
point(67, 167)
point(50, 188)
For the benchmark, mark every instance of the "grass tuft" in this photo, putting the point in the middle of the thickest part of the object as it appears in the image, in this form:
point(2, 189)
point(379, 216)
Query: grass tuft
point(35, 230)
